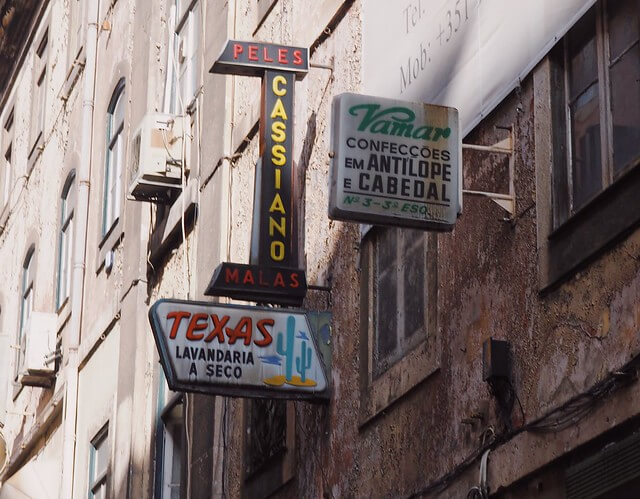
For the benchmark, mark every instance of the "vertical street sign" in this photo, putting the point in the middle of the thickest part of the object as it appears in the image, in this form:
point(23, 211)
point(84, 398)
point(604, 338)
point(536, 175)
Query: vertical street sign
point(278, 246)
point(273, 275)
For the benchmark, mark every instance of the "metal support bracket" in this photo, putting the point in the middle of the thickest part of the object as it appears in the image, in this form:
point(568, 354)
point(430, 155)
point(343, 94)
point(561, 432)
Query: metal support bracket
point(506, 146)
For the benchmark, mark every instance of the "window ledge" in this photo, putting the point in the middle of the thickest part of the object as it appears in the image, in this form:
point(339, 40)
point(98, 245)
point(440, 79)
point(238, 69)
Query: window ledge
point(399, 379)
point(35, 152)
point(602, 222)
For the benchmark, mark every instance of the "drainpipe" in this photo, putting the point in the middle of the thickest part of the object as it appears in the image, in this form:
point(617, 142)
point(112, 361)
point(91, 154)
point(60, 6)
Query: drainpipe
point(79, 253)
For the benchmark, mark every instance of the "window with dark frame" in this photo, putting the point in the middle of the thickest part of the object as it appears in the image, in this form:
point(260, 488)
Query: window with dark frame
point(114, 158)
point(399, 294)
point(601, 61)
point(65, 241)
point(99, 464)
point(266, 433)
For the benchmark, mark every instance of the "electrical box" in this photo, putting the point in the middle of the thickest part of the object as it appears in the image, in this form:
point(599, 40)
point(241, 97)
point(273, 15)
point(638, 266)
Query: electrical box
point(40, 343)
point(495, 359)
point(161, 147)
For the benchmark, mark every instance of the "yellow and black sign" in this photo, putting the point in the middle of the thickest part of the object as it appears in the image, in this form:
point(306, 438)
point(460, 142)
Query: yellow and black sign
point(274, 245)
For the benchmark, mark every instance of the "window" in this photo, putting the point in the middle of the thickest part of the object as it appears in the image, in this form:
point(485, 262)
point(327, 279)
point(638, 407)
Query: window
point(398, 315)
point(65, 244)
point(183, 68)
point(170, 439)
point(6, 175)
point(99, 465)
point(269, 446)
point(602, 94)
point(588, 129)
point(399, 312)
point(39, 95)
point(77, 27)
point(5, 372)
point(114, 157)
point(26, 307)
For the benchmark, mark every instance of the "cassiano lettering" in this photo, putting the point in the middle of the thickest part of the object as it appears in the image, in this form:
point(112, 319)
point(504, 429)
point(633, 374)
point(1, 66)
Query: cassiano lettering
point(396, 121)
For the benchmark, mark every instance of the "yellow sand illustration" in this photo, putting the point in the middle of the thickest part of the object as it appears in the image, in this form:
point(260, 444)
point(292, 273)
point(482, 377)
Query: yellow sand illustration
point(297, 381)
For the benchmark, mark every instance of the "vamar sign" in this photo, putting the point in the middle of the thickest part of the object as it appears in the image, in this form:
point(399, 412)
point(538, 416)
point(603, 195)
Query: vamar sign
point(395, 163)
point(238, 350)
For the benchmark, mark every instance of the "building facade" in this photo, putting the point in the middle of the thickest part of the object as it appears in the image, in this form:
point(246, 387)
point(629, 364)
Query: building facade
point(85, 408)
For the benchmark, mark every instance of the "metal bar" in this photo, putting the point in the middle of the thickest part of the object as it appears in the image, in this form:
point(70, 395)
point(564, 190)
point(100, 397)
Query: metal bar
point(321, 66)
point(495, 195)
point(474, 147)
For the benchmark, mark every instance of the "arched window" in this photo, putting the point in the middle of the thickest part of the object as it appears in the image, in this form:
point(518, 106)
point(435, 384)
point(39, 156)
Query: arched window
point(65, 242)
point(114, 158)
point(26, 306)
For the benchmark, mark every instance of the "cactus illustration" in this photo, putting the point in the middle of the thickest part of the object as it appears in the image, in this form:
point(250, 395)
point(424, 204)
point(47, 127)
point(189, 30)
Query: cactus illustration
point(304, 362)
point(287, 352)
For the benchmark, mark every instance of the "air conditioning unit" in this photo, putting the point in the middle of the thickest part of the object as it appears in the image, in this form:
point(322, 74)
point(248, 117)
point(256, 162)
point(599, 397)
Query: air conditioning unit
point(160, 148)
point(40, 343)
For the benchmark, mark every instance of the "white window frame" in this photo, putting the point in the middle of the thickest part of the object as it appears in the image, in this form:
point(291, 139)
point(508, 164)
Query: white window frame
point(169, 450)
point(26, 308)
point(65, 242)
point(183, 56)
point(97, 478)
point(114, 159)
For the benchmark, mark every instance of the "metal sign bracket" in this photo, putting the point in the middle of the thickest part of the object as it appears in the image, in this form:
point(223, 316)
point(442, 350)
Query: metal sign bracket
point(505, 146)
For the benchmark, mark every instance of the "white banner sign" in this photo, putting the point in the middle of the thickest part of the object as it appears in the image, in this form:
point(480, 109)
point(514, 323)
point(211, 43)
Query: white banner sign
point(468, 54)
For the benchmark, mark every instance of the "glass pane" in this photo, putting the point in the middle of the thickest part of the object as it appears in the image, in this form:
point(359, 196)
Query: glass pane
point(387, 241)
point(386, 314)
point(585, 137)
point(625, 109)
point(583, 62)
point(174, 429)
point(414, 304)
point(102, 455)
point(386, 293)
point(118, 111)
point(622, 17)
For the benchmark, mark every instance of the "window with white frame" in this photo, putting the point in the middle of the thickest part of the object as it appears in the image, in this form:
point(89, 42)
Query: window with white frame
point(26, 307)
point(99, 464)
point(183, 68)
point(65, 243)
point(38, 102)
point(114, 158)
point(170, 435)
point(6, 175)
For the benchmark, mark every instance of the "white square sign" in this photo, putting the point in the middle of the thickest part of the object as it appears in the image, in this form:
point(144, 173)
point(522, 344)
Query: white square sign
point(395, 163)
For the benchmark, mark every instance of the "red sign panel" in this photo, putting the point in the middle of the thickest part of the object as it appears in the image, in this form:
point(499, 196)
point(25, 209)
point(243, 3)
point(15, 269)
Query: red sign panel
point(253, 58)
